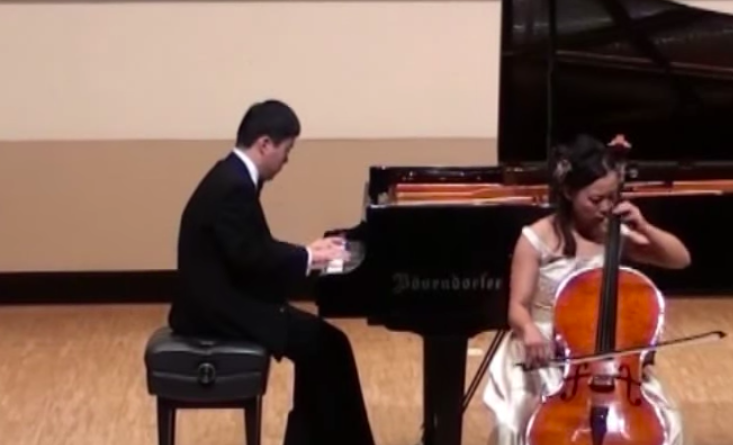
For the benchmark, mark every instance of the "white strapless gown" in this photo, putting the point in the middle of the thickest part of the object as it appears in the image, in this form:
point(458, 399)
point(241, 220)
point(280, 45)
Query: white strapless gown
point(512, 394)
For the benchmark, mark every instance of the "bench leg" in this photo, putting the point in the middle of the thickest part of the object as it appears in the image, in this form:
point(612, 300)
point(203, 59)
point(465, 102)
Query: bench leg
point(166, 422)
point(253, 420)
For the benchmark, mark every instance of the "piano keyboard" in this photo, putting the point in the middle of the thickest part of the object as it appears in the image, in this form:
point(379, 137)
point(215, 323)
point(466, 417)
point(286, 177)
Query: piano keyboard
point(335, 266)
point(356, 251)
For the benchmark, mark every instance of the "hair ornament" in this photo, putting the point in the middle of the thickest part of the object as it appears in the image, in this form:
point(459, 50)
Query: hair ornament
point(620, 141)
point(562, 168)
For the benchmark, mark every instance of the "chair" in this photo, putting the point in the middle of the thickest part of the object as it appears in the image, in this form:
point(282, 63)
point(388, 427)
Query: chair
point(205, 373)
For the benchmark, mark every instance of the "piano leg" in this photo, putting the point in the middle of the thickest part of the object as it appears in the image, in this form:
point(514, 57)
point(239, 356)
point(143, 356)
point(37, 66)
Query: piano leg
point(444, 376)
point(440, 384)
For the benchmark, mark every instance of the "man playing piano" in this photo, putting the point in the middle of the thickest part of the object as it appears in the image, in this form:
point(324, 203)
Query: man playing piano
point(235, 279)
point(547, 252)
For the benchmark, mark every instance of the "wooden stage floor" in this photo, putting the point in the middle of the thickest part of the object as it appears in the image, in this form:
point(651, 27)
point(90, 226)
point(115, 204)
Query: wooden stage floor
point(73, 375)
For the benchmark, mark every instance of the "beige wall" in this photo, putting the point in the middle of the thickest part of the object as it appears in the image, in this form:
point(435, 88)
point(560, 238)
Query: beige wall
point(114, 205)
point(185, 70)
point(111, 111)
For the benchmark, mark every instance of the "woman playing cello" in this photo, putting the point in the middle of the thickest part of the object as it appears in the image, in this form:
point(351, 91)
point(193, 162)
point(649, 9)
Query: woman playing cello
point(545, 254)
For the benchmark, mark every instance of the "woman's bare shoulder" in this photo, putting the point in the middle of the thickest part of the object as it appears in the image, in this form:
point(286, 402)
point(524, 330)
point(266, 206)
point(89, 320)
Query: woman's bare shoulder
point(543, 228)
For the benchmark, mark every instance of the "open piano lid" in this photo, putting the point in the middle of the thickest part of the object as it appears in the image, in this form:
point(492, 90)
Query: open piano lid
point(658, 71)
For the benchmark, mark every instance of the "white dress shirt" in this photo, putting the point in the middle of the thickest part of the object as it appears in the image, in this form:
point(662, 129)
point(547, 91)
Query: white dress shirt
point(255, 175)
point(251, 167)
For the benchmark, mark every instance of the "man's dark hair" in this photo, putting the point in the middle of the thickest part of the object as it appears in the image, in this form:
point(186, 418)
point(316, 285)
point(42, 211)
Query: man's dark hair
point(271, 118)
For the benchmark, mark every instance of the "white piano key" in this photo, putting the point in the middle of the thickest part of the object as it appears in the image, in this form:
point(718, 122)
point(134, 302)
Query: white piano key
point(335, 266)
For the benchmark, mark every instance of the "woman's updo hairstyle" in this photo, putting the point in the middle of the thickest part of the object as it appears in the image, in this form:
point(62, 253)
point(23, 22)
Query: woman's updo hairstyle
point(576, 165)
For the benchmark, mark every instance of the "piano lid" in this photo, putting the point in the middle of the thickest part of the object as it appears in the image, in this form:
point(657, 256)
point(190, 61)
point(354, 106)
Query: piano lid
point(659, 71)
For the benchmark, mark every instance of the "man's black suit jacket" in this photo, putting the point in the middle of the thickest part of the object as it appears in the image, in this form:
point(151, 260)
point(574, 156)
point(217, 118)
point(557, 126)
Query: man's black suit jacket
point(234, 278)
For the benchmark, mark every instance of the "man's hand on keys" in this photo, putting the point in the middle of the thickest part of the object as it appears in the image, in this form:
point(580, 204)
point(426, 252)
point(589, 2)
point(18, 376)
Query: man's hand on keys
point(328, 250)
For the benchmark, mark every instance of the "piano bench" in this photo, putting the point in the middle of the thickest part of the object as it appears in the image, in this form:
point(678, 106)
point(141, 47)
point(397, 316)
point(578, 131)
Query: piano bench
point(205, 373)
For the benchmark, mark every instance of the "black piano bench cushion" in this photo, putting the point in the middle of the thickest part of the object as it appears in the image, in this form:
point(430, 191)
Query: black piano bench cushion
point(204, 370)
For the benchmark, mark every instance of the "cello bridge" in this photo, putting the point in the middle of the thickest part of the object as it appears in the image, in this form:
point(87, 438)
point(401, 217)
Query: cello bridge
point(602, 383)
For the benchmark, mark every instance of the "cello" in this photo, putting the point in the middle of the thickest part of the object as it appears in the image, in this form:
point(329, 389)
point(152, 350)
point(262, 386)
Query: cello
point(599, 311)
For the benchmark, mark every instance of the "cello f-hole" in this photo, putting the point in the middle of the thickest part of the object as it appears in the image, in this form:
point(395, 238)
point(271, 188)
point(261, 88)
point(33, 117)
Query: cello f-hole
point(625, 374)
point(575, 377)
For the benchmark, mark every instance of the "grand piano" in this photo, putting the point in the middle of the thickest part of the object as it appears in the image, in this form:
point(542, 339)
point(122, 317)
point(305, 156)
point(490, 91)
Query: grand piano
point(431, 254)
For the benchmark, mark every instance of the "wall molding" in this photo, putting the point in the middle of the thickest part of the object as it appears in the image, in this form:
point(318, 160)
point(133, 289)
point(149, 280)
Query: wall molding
point(138, 287)
point(86, 287)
